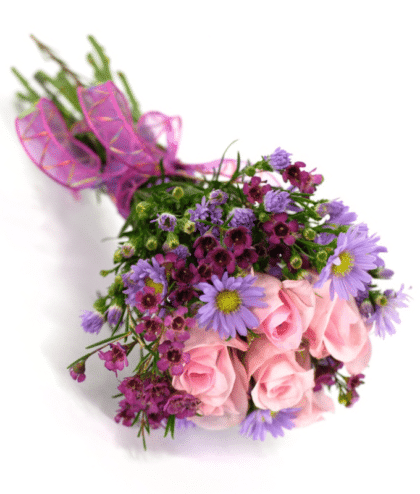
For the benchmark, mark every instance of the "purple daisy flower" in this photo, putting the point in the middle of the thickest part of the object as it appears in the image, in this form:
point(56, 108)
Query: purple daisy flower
point(228, 303)
point(143, 274)
point(166, 222)
point(259, 422)
point(348, 267)
point(339, 213)
point(386, 312)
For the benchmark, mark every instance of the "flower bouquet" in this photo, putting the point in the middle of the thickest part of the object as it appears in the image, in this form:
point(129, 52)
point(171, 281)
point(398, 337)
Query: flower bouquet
point(238, 298)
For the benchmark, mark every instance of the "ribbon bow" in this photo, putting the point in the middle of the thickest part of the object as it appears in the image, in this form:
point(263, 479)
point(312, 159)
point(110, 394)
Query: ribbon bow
point(132, 151)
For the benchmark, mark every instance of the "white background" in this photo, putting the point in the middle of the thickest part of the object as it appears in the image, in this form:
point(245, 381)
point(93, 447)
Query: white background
point(336, 84)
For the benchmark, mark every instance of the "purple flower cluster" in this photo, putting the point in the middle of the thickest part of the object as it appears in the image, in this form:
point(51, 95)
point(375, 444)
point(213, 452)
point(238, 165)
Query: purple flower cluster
point(92, 321)
point(276, 201)
point(242, 217)
point(280, 159)
point(208, 211)
point(156, 398)
point(259, 422)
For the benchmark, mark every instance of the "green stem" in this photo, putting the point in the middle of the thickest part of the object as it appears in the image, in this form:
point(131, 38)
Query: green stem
point(63, 66)
point(104, 73)
point(33, 96)
point(135, 107)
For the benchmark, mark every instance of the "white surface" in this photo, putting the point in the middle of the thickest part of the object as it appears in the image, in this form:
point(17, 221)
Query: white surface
point(336, 84)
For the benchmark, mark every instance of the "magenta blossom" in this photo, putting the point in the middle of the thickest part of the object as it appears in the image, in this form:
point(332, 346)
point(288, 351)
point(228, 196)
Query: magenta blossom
point(115, 359)
point(239, 238)
point(147, 300)
point(254, 192)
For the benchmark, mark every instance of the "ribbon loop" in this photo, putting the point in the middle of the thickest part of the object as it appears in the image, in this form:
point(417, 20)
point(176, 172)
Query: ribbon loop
point(46, 139)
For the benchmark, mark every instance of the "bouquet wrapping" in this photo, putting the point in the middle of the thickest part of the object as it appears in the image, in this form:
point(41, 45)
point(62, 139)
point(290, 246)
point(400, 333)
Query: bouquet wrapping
point(239, 298)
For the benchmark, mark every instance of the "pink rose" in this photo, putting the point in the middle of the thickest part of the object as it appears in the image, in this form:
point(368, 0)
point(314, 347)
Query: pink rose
point(361, 361)
point(312, 406)
point(280, 381)
point(337, 329)
point(216, 377)
point(291, 306)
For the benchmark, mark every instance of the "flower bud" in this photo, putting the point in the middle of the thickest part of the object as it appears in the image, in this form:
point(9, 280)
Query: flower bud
point(189, 227)
point(309, 234)
point(127, 250)
point(100, 305)
point(381, 300)
point(263, 217)
point(296, 262)
point(142, 209)
point(178, 192)
point(322, 256)
point(250, 171)
point(117, 256)
point(366, 308)
point(172, 240)
point(151, 243)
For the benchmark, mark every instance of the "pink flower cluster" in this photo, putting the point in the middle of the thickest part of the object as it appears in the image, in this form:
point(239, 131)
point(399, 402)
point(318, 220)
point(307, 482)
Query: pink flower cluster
point(274, 369)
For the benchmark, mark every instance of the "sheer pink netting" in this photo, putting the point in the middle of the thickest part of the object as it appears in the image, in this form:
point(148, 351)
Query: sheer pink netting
point(44, 135)
point(133, 153)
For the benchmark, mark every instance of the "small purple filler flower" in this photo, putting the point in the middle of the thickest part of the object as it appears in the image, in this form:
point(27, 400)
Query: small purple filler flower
point(280, 159)
point(259, 422)
point(227, 304)
point(92, 322)
point(276, 201)
point(242, 217)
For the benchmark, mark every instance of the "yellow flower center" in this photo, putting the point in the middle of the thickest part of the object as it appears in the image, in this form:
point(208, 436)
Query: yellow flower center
point(228, 301)
point(346, 263)
point(157, 286)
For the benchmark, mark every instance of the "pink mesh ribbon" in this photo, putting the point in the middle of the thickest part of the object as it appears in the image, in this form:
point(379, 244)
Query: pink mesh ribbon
point(44, 135)
point(133, 152)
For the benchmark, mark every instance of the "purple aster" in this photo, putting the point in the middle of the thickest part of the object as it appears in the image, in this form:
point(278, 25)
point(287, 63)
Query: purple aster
point(218, 197)
point(242, 217)
point(280, 159)
point(259, 422)
point(228, 303)
point(143, 274)
point(166, 222)
point(348, 267)
point(276, 201)
point(386, 314)
point(181, 251)
point(339, 214)
point(92, 321)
